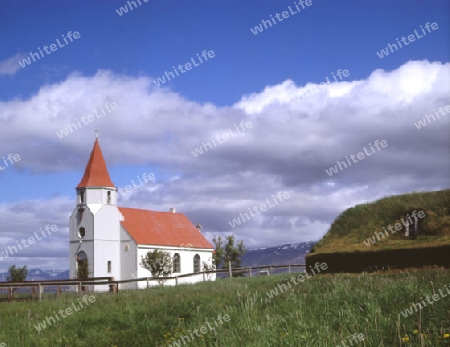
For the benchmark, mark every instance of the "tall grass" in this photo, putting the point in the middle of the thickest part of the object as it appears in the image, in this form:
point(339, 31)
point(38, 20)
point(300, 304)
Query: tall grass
point(322, 311)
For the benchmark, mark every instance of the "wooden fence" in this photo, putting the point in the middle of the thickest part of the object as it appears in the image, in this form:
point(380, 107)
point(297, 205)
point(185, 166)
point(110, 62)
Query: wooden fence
point(37, 288)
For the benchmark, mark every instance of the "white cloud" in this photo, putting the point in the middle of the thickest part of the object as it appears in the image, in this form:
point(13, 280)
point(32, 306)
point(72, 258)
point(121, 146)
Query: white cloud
point(287, 149)
point(11, 66)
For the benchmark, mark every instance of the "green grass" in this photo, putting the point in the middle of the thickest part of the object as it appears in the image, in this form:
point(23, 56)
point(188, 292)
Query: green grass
point(322, 311)
point(358, 223)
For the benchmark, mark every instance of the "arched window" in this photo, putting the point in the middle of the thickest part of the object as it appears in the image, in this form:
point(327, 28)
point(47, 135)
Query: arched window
point(109, 266)
point(81, 232)
point(81, 256)
point(81, 197)
point(176, 263)
point(108, 197)
point(196, 263)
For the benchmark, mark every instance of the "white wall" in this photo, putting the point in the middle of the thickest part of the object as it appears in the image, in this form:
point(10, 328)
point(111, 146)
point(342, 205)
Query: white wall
point(129, 259)
point(98, 195)
point(107, 243)
point(102, 223)
point(187, 264)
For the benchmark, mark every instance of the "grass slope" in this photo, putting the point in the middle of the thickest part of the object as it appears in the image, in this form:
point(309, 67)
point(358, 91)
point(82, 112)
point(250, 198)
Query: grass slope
point(359, 223)
point(322, 311)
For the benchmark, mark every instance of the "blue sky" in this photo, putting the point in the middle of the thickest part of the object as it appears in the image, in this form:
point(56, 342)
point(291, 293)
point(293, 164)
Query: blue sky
point(153, 37)
point(251, 77)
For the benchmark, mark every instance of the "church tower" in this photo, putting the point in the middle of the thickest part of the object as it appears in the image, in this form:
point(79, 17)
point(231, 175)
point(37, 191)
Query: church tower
point(94, 226)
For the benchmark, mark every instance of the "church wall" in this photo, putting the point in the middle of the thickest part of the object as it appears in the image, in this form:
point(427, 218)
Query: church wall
point(187, 263)
point(128, 249)
point(107, 243)
point(107, 223)
point(99, 195)
point(105, 251)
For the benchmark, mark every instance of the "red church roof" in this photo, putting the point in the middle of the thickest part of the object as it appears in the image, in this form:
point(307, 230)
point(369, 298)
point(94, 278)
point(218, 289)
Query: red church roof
point(162, 228)
point(96, 173)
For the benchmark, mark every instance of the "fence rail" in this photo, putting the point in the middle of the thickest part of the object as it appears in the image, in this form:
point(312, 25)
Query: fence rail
point(38, 287)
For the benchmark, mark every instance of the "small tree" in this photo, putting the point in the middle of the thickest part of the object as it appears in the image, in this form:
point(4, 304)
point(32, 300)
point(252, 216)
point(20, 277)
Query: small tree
point(159, 263)
point(17, 275)
point(218, 253)
point(233, 253)
point(83, 269)
point(227, 252)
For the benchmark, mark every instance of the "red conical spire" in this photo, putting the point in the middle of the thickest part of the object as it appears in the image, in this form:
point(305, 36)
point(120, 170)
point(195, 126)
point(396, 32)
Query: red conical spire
point(96, 173)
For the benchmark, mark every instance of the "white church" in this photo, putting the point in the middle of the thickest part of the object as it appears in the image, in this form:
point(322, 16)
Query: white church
point(113, 239)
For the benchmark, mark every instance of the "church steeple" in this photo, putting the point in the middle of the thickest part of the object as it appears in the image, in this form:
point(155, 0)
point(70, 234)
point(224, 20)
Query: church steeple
point(94, 231)
point(96, 173)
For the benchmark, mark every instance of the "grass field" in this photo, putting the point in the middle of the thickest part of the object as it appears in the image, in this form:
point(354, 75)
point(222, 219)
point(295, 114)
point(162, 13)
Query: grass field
point(356, 224)
point(321, 311)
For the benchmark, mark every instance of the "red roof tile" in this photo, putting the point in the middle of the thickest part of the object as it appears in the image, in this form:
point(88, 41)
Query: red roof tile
point(162, 228)
point(96, 173)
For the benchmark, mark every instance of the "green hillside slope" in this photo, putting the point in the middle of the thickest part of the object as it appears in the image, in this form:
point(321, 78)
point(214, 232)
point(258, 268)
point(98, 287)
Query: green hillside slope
point(360, 223)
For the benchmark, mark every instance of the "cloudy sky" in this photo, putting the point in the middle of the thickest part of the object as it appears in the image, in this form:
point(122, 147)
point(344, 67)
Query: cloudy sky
point(311, 86)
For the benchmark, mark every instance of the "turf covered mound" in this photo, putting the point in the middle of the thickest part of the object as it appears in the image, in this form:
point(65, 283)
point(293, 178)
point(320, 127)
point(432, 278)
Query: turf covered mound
point(394, 232)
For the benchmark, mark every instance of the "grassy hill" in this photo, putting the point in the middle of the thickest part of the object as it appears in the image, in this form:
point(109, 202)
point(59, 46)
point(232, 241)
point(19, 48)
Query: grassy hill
point(323, 310)
point(357, 224)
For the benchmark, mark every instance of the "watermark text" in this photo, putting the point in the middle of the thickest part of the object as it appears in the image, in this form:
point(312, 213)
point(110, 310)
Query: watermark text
point(11, 250)
point(187, 66)
point(10, 160)
point(71, 36)
point(221, 139)
point(285, 14)
point(65, 313)
point(360, 155)
point(263, 207)
point(423, 122)
point(71, 127)
point(411, 38)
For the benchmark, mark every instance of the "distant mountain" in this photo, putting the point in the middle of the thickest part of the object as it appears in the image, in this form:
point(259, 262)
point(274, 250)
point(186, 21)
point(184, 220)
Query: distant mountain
point(279, 255)
point(41, 275)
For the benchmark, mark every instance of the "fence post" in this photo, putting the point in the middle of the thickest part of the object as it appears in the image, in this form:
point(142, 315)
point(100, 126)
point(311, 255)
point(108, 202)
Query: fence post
point(148, 284)
point(111, 286)
point(250, 271)
point(40, 291)
point(9, 293)
point(176, 280)
point(58, 291)
point(204, 276)
point(270, 270)
point(79, 289)
point(289, 269)
point(229, 269)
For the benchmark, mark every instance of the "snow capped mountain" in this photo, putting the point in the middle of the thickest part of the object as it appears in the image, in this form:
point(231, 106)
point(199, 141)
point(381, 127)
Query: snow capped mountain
point(279, 255)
